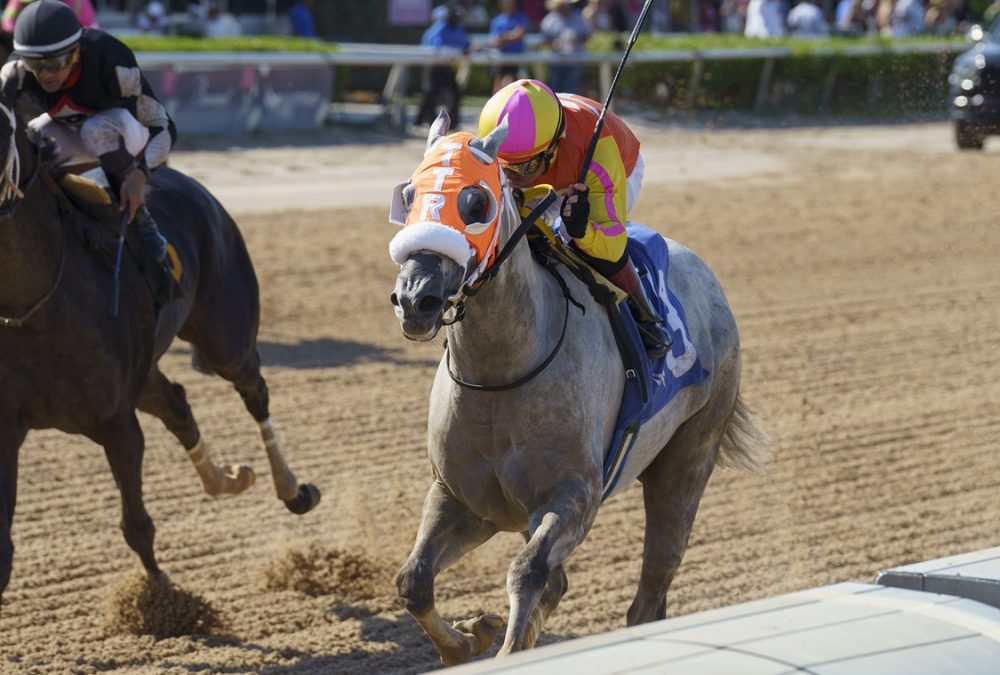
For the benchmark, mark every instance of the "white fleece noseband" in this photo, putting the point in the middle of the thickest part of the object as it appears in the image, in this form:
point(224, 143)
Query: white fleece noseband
point(429, 236)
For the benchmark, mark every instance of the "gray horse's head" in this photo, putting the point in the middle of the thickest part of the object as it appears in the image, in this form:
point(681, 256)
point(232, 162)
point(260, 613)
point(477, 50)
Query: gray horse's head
point(455, 209)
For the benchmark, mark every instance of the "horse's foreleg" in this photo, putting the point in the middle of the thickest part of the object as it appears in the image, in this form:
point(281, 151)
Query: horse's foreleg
point(672, 486)
point(11, 436)
point(447, 531)
point(166, 400)
point(555, 533)
point(555, 589)
point(124, 446)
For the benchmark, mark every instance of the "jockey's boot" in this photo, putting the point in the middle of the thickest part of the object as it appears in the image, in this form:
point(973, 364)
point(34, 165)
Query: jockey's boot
point(655, 337)
point(161, 275)
point(154, 261)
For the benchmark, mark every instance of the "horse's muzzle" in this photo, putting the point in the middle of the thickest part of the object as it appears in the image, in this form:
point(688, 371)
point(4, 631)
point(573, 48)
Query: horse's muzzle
point(420, 296)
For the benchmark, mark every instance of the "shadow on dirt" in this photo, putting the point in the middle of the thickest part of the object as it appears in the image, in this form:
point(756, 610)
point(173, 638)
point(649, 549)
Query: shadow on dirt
point(324, 353)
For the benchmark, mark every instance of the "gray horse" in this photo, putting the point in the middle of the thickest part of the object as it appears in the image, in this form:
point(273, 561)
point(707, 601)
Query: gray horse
point(529, 458)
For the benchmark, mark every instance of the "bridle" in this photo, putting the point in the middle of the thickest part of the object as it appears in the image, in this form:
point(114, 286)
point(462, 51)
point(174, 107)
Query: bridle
point(473, 286)
point(11, 196)
point(10, 189)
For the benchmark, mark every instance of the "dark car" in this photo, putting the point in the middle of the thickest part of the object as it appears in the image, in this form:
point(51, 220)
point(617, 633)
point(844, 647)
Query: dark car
point(974, 88)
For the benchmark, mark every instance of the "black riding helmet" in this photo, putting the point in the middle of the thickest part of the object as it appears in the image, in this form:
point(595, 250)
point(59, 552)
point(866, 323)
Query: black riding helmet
point(44, 28)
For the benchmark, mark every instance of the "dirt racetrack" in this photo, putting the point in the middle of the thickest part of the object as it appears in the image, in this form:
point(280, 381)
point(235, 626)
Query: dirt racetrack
point(861, 264)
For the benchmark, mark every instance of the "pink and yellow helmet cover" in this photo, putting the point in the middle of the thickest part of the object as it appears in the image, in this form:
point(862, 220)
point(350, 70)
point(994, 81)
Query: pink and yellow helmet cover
point(533, 114)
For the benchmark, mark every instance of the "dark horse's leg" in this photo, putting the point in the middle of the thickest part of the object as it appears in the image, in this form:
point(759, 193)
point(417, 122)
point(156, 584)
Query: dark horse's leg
point(124, 446)
point(12, 434)
point(672, 487)
point(166, 400)
point(447, 531)
point(223, 329)
point(247, 380)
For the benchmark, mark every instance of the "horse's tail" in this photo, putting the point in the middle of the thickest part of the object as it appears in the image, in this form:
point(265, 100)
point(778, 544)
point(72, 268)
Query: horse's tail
point(744, 446)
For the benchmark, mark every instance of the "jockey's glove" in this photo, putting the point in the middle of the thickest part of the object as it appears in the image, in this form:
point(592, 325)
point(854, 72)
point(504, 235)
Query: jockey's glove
point(576, 210)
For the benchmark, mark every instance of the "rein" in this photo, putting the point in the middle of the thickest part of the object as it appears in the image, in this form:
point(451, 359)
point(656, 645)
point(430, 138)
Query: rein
point(458, 300)
point(12, 192)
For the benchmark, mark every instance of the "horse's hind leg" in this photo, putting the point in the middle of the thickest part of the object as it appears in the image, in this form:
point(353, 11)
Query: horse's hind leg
point(166, 400)
point(11, 436)
point(247, 380)
point(124, 446)
point(447, 531)
point(672, 487)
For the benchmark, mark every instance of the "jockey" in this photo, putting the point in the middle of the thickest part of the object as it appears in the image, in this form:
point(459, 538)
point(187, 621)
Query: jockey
point(547, 139)
point(91, 98)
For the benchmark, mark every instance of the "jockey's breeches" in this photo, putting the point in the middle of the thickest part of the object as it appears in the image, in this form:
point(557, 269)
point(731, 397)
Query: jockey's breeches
point(100, 134)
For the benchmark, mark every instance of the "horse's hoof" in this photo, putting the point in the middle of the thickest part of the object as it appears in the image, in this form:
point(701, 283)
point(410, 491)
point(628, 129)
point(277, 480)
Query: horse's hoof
point(231, 482)
point(484, 630)
point(305, 501)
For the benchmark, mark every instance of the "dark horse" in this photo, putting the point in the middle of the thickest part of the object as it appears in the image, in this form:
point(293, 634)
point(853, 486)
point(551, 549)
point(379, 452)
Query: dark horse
point(66, 363)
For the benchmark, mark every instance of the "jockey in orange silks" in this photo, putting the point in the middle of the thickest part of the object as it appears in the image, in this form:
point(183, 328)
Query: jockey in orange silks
point(548, 139)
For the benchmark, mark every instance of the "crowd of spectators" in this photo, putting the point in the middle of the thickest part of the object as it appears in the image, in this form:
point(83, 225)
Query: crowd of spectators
point(209, 18)
point(564, 24)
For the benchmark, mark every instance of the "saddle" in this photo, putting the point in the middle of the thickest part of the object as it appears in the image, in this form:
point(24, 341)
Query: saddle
point(649, 385)
point(102, 226)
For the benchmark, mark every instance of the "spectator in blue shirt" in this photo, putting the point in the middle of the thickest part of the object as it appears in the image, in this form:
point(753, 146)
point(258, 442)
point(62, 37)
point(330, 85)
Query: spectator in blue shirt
point(507, 36)
point(303, 22)
point(446, 33)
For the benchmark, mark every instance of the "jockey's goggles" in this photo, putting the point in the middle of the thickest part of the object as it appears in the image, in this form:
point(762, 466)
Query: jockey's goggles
point(531, 166)
point(52, 64)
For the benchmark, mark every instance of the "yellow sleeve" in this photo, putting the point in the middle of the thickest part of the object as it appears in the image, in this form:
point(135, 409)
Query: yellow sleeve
point(605, 237)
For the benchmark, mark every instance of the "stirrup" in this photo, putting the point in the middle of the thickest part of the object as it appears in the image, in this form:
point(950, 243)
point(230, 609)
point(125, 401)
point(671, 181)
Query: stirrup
point(655, 339)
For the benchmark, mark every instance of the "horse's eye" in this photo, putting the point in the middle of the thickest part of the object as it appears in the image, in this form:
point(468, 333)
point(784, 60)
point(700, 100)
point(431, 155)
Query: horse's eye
point(473, 205)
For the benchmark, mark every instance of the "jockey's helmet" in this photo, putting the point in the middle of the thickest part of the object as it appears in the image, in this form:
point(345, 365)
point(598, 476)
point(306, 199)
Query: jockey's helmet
point(534, 119)
point(45, 28)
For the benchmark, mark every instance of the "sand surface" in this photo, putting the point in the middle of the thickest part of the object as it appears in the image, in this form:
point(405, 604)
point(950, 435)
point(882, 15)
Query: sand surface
point(861, 264)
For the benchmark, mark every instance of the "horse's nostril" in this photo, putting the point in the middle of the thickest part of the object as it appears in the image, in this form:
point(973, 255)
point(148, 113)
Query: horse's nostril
point(394, 299)
point(430, 304)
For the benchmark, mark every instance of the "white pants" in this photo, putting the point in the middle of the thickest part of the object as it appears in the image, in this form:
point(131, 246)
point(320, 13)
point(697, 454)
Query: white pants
point(95, 137)
point(633, 183)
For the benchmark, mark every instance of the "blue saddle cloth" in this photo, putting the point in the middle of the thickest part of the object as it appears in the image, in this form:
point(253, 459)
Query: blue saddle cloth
point(650, 391)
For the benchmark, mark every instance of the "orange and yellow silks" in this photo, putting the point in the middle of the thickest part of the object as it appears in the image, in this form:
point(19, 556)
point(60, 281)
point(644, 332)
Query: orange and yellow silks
point(449, 166)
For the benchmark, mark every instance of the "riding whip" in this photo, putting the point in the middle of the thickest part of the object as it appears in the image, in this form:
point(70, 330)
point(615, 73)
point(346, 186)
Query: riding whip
point(611, 90)
point(118, 266)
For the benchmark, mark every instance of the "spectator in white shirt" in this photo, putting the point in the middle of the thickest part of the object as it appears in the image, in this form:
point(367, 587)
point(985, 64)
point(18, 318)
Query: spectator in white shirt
point(219, 23)
point(806, 20)
point(765, 19)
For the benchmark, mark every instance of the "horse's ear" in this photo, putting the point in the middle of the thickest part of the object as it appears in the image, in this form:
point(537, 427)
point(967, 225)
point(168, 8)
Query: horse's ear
point(491, 144)
point(438, 130)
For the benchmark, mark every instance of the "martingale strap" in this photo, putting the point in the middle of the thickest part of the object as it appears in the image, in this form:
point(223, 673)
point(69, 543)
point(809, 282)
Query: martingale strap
point(550, 268)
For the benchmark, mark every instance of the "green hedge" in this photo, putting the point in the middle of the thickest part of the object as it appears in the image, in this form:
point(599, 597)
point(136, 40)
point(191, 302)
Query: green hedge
point(254, 43)
point(819, 77)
